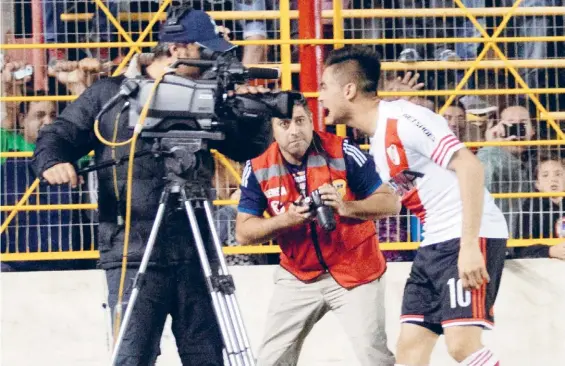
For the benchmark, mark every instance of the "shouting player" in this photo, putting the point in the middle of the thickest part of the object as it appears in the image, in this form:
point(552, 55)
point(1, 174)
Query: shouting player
point(456, 274)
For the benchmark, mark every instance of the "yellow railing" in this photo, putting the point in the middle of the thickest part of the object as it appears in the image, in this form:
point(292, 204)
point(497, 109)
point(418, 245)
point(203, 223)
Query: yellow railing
point(285, 15)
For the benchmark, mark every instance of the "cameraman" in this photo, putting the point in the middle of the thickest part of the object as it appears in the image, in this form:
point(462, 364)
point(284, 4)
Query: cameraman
point(174, 283)
point(320, 271)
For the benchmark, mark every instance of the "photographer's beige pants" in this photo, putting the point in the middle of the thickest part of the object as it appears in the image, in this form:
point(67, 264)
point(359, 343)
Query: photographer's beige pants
point(296, 306)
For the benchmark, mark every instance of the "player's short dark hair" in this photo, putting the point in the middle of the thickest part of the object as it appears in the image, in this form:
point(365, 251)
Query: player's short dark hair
point(362, 65)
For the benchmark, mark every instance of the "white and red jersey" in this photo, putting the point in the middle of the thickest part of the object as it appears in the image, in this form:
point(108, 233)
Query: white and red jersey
point(412, 147)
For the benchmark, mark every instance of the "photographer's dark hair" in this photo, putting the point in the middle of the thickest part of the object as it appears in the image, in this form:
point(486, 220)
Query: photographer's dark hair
point(301, 102)
point(362, 64)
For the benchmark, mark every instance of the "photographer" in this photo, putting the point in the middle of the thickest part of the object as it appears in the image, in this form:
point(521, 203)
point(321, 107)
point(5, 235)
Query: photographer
point(173, 282)
point(320, 270)
point(509, 168)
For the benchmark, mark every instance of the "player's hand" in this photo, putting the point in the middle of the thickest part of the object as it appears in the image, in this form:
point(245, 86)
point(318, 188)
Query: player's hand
point(557, 251)
point(62, 173)
point(472, 267)
point(331, 197)
point(298, 214)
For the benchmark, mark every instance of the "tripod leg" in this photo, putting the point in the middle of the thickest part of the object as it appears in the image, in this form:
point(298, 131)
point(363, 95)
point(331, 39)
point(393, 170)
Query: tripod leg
point(231, 299)
point(218, 302)
point(139, 278)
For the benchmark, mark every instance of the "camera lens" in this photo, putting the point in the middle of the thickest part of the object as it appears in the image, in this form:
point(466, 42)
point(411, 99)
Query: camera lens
point(324, 213)
point(326, 219)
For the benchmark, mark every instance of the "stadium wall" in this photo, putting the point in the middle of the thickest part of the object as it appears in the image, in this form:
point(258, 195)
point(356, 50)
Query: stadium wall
point(57, 318)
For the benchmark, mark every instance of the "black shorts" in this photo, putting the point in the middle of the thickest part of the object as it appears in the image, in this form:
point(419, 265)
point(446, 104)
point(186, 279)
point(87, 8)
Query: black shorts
point(434, 297)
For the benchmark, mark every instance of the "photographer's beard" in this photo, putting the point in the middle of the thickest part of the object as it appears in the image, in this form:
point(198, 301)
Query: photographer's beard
point(295, 151)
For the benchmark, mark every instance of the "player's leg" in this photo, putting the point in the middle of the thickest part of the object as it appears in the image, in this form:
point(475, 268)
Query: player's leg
point(293, 311)
point(415, 344)
point(418, 335)
point(466, 313)
point(361, 312)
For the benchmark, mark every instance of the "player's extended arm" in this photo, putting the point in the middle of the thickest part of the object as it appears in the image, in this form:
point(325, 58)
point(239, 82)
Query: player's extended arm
point(382, 203)
point(471, 176)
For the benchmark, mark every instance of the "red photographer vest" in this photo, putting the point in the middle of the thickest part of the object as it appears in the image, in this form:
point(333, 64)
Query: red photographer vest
point(350, 253)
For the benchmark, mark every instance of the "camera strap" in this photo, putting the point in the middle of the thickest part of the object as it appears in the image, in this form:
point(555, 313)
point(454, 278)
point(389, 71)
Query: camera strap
point(299, 176)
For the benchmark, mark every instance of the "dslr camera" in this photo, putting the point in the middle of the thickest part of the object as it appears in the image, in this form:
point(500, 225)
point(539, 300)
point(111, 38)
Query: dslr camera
point(324, 213)
point(516, 129)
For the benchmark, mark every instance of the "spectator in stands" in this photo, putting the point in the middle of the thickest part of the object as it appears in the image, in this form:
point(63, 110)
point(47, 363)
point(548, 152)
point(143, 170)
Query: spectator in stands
point(100, 29)
point(76, 76)
point(316, 274)
point(11, 87)
point(457, 120)
point(22, 121)
point(508, 168)
point(430, 27)
point(10, 137)
point(394, 229)
point(544, 218)
point(34, 115)
point(20, 129)
point(258, 30)
point(466, 130)
point(519, 26)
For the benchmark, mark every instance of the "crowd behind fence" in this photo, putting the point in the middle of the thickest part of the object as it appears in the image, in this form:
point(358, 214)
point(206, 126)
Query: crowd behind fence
point(480, 87)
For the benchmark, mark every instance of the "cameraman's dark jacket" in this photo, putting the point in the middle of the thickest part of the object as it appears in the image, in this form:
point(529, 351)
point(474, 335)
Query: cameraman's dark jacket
point(72, 136)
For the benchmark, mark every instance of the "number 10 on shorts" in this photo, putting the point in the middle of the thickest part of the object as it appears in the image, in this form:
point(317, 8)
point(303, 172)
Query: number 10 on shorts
point(458, 296)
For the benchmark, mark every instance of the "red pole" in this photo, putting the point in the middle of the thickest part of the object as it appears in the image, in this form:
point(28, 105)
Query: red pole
point(38, 55)
point(311, 58)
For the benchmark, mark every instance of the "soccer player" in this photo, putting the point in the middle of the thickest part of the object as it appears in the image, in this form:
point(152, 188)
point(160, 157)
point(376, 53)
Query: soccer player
point(456, 274)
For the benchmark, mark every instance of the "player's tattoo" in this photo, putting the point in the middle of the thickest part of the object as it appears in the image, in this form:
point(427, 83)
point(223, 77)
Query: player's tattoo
point(404, 181)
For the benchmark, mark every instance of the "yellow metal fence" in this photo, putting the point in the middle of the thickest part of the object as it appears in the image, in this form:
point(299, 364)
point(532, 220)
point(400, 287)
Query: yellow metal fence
point(284, 16)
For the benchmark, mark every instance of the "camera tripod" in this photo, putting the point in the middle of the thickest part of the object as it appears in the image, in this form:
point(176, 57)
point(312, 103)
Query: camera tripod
point(191, 195)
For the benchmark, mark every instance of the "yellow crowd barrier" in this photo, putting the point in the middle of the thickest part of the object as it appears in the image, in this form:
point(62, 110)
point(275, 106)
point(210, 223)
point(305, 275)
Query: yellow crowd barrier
point(285, 15)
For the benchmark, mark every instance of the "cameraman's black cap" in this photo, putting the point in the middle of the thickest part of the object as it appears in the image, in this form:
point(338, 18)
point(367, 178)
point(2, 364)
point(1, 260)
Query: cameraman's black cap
point(194, 26)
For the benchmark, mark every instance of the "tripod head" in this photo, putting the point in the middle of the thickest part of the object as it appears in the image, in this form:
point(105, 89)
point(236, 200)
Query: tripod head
point(187, 159)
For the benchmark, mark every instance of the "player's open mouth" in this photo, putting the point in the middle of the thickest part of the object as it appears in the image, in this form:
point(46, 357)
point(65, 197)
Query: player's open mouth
point(326, 112)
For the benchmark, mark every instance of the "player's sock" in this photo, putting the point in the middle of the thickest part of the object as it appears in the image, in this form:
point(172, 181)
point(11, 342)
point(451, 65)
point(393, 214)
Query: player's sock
point(483, 357)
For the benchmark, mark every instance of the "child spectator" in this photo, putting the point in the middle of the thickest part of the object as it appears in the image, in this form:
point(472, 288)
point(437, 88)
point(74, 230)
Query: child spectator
point(544, 218)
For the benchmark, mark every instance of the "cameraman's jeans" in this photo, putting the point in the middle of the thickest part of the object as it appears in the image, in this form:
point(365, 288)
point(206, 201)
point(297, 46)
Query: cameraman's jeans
point(296, 306)
point(179, 291)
